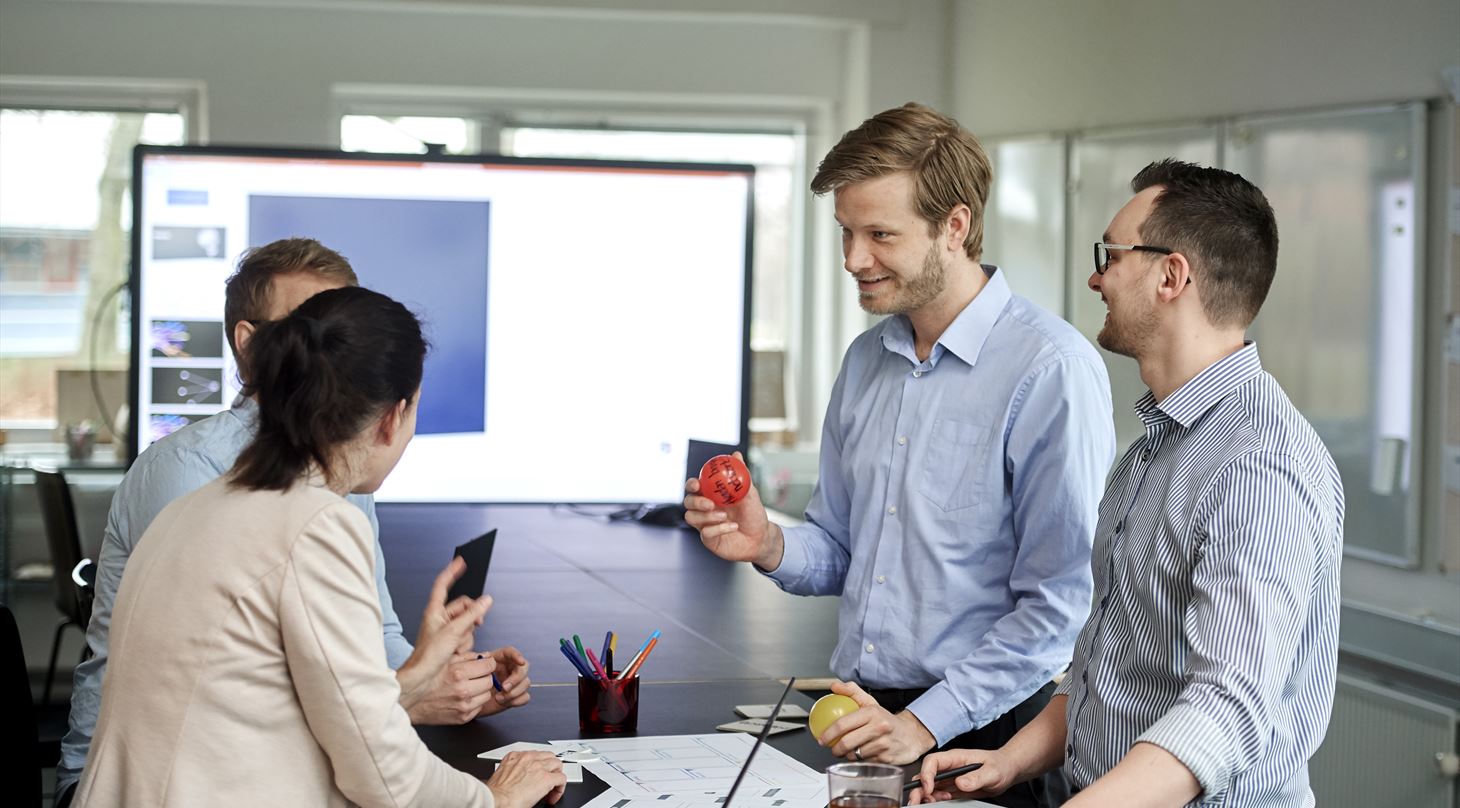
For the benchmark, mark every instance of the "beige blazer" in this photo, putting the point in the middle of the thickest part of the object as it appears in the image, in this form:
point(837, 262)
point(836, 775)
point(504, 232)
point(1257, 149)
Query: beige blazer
point(247, 669)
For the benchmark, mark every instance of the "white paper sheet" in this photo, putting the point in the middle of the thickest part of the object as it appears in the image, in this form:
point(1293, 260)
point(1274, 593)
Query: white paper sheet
point(698, 764)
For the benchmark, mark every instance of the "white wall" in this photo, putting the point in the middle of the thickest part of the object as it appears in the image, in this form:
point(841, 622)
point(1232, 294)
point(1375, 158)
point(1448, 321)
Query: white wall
point(269, 68)
point(1036, 65)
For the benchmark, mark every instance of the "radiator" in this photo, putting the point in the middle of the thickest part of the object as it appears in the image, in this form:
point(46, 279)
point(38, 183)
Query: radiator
point(1381, 750)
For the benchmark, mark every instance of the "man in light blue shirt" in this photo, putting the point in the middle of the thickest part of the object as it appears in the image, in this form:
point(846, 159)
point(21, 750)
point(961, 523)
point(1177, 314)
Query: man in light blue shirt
point(962, 457)
point(271, 281)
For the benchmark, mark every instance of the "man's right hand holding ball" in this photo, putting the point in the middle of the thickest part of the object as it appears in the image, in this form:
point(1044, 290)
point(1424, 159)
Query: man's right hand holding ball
point(740, 531)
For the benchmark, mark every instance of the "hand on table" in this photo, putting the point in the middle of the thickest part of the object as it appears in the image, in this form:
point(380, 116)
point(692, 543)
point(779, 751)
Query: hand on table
point(524, 778)
point(994, 777)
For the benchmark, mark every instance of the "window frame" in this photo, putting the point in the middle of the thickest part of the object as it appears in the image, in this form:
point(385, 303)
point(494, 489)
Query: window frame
point(97, 94)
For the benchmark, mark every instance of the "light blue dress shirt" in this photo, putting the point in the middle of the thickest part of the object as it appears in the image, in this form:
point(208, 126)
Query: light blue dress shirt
point(176, 465)
point(956, 505)
point(1215, 631)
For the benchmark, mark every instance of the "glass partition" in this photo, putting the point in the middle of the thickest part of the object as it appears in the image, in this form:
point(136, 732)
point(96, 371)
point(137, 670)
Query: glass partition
point(1340, 328)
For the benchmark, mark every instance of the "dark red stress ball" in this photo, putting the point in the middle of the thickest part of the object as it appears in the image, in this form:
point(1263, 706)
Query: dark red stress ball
point(724, 479)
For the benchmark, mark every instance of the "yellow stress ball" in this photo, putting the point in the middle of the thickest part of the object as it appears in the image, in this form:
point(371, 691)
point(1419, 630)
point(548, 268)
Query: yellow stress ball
point(826, 711)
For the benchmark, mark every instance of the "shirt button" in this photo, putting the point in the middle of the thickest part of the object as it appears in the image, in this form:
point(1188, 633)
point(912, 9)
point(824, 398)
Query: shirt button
point(1084, 676)
point(917, 373)
point(1070, 750)
point(1145, 455)
point(901, 440)
point(892, 510)
point(870, 649)
point(1118, 526)
point(882, 579)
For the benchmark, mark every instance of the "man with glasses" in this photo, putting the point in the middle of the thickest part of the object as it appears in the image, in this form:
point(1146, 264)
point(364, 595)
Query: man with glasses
point(962, 457)
point(1205, 673)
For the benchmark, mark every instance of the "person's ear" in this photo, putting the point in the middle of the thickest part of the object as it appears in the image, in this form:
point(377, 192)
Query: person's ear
point(1175, 277)
point(390, 423)
point(242, 333)
point(957, 226)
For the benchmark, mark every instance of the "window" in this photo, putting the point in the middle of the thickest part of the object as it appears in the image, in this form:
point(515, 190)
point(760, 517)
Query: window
point(65, 219)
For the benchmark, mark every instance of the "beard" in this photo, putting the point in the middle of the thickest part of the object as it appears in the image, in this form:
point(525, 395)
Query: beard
point(1128, 332)
point(913, 293)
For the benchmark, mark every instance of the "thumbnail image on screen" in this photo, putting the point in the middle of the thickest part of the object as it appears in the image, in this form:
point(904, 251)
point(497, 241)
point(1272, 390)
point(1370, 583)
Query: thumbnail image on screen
point(188, 242)
point(192, 385)
point(187, 339)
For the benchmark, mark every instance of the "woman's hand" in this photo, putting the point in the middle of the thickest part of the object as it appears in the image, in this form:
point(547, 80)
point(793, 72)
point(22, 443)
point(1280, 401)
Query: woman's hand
point(524, 778)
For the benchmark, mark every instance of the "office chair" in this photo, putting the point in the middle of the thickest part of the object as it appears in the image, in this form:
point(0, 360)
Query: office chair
point(72, 573)
point(24, 760)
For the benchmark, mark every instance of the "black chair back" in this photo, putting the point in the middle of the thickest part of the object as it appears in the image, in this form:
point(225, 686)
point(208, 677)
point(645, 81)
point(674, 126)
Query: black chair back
point(64, 540)
point(22, 766)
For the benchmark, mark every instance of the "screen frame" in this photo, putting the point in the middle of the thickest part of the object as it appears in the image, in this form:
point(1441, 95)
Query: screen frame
point(142, 152)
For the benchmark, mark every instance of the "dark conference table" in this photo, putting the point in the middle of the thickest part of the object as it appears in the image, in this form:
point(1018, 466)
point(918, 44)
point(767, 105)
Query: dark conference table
point(727, 632)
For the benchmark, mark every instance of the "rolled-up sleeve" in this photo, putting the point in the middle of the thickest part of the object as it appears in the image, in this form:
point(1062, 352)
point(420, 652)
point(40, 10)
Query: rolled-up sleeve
point(1257, 546)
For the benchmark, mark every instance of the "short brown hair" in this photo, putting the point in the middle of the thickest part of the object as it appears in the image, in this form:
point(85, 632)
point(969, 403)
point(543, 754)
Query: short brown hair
point(1223, 225)
point(250, 288)
point(949, 166)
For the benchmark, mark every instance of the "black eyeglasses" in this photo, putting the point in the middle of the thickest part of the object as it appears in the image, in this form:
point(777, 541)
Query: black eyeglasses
point(1102, 253)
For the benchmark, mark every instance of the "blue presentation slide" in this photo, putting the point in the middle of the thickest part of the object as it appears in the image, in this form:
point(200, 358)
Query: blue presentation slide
point(430, 255)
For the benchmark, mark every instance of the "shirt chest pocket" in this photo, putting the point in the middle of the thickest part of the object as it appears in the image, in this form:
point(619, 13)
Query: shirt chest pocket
point(956, 474)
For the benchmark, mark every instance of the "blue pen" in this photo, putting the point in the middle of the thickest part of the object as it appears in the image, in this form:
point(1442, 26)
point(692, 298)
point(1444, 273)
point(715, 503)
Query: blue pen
point(495, 683)
point(603, 655)
point(652, 637)
point(573, 658)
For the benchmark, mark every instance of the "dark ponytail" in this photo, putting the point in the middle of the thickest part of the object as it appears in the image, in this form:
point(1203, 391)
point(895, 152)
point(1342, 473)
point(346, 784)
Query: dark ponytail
point(320, 376)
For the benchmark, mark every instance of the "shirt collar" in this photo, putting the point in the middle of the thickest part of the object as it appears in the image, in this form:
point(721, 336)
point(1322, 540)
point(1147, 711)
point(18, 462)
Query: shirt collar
point(968, 332)
point(246, 410)
point(1202, 392)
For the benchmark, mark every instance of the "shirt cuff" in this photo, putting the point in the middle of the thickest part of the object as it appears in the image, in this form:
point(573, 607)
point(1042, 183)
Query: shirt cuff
point(1199, 742)
point(795, 562)
point(1066, 685)
point(941, 712)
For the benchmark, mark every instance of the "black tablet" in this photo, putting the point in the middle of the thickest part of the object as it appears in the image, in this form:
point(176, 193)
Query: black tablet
point(478, 556)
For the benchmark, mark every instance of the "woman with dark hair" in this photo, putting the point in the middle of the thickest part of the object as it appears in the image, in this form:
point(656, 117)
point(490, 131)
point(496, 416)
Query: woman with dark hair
point(246, 662)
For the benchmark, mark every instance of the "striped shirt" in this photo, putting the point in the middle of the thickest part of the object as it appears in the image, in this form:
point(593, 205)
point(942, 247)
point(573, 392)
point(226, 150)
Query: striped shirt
point(1214, 629)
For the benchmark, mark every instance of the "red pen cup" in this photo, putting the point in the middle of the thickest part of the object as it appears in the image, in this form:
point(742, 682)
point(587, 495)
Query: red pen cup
point(608, 708)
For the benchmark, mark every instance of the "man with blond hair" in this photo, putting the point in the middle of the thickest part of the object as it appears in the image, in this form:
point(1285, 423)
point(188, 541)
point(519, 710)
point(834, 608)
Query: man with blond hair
point(962, 456)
